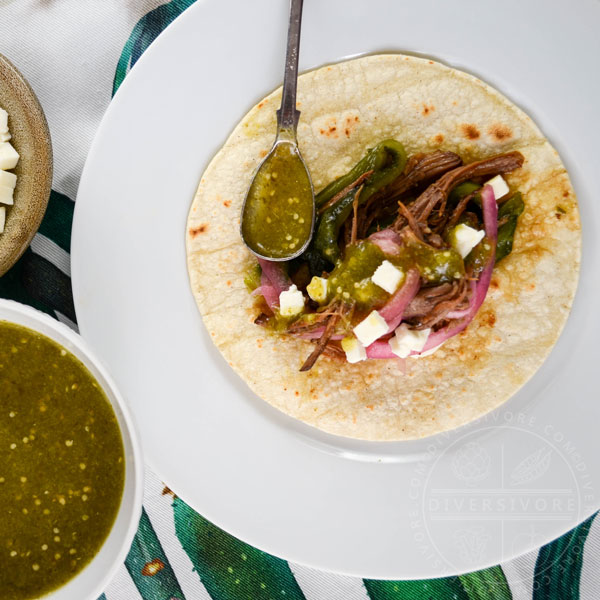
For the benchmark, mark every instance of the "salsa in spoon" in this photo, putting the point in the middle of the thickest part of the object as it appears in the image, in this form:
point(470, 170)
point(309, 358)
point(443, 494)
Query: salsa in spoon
point(279, 209)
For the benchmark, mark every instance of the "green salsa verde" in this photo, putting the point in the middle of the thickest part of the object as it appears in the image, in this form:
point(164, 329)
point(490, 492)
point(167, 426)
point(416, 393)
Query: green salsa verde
point(278, 213)
point(351, 280)
point(62, 464)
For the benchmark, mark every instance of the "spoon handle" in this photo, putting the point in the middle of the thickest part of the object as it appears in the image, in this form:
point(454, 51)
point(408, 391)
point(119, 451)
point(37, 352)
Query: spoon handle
point(287, 115)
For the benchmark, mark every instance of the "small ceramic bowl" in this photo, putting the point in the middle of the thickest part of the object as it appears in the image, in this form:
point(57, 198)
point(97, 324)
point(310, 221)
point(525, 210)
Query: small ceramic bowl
point(31, 139)
point(94, 578)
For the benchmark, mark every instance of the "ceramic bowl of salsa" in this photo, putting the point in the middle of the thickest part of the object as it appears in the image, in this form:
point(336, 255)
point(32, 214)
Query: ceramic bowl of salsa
point(71, 471)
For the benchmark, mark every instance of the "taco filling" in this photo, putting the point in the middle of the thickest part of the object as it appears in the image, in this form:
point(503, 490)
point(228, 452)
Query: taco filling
point(401, 259)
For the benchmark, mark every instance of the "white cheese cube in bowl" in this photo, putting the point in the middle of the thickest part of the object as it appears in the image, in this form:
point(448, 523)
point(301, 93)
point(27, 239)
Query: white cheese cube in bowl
point(466, 238)
point(408, 340)
point(8, 179)
point(371, 328)
point(9, 157)
point(6, 195)
point(291, 302)
point(355, 351)
point(2, 218)
point(387, 276)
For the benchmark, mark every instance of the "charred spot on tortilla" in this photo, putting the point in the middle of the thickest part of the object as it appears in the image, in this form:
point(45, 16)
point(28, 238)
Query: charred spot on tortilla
point(329, 129)
point(500, 132)
point(490, 318)
point(405, 245)
point(427, 109)
point(470, 131)
point(194, 231)
point(349, 124)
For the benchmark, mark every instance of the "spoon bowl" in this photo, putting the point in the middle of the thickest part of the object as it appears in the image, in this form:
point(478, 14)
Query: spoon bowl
point(278, 213)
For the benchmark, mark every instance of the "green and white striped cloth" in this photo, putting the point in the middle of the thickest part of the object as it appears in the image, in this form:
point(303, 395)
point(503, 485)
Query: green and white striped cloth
point(75, 54)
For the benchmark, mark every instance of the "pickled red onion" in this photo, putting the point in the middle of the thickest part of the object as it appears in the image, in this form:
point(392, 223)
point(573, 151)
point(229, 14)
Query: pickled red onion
point(388, 241)
point(394, 308)
point(380, 349)
point(480, 289)
point(273, 281)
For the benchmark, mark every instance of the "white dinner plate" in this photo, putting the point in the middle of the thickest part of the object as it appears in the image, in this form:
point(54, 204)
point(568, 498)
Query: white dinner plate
point(452, 503)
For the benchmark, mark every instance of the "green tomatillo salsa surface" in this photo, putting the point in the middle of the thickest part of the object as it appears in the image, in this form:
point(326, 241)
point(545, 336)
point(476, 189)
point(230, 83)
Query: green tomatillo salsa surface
point(351, 279)
point(62, 465)
point(278, 212)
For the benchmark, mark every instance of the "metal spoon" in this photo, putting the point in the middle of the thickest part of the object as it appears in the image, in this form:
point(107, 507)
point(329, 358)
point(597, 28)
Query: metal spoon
point(252, 228)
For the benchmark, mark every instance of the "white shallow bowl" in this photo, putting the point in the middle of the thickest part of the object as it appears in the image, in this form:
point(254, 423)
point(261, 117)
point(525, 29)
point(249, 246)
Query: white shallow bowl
point(94, 578)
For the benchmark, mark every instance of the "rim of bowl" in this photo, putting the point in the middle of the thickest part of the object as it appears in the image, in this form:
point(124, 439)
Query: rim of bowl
point(134, 465)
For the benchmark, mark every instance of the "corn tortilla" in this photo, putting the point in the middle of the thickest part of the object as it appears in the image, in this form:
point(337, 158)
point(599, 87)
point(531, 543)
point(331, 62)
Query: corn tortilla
point(347, 108)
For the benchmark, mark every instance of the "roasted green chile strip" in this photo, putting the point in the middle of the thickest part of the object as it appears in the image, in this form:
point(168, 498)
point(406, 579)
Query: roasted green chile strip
point(462, 190)
point(329, 226)
point(374, 159)
point(478, 258)
point(511, 209)
point(387, 161)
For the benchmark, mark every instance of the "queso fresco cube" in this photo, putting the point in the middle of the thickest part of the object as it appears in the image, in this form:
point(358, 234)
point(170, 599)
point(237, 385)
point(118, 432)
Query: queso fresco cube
point(291, 302)
point(371, 328)
point(387, 277)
